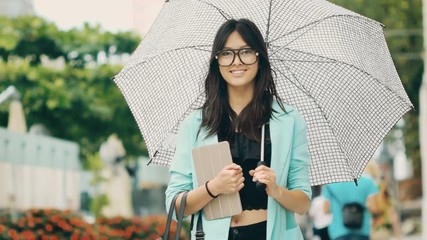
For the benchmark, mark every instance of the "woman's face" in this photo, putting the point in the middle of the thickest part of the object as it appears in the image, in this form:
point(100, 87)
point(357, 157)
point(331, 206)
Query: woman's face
point(239, 75)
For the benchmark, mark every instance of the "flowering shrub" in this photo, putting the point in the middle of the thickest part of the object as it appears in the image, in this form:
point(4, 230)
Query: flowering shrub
point(51, 224)
point(125, 228)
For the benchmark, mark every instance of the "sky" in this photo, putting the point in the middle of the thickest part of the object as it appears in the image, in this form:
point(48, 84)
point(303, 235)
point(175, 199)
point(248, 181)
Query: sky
point(113, 15)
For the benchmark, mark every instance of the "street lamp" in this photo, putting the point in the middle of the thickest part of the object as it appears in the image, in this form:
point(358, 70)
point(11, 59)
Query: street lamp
point(10, 92)
point(16, 122)
point(423, 127)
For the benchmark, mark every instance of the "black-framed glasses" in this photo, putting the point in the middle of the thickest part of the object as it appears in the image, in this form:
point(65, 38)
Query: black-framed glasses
point(226, 57)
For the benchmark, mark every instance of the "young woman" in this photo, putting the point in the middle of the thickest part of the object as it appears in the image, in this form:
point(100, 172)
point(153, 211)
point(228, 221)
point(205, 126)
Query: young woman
point(240, 98)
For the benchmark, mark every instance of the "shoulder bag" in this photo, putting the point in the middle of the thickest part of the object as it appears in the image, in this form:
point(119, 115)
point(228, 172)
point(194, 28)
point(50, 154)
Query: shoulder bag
point(352, 213)
point(180, 218)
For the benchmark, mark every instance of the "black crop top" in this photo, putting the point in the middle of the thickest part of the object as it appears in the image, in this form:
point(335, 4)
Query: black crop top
point(246, 153)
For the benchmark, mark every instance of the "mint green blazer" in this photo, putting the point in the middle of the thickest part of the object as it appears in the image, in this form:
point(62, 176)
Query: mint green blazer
point(290, 160)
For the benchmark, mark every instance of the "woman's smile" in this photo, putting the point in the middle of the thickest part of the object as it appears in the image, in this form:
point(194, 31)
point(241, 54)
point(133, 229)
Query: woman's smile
point(238, 72)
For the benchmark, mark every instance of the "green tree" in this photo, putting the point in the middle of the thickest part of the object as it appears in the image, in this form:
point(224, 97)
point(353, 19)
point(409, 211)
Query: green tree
point(77, 102)
point(403, 21)
point(30, 36)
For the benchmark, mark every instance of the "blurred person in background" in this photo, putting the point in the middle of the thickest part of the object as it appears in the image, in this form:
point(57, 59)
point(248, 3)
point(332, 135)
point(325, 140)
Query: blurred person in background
point(385, 220)
point(319, 217)
point(339, 194)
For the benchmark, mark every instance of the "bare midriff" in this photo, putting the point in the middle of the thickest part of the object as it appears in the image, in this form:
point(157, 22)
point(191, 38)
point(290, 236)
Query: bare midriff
point(248, 217)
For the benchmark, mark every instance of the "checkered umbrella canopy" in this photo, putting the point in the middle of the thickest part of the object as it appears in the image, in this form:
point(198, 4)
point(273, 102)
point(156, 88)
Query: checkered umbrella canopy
point(330, 63)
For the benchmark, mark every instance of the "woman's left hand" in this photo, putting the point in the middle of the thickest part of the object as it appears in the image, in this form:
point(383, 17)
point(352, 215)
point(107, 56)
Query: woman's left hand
point(267, 176)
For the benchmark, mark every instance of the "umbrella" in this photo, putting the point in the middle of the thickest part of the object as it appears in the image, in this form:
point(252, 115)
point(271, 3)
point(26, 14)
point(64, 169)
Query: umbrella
point(330, 63)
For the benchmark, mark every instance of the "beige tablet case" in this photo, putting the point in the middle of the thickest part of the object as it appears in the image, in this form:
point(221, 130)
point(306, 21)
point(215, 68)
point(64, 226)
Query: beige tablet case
point(208, 161)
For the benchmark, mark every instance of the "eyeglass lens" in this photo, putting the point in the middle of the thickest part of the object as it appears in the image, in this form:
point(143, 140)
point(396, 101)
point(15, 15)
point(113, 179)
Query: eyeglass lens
point(247, 56)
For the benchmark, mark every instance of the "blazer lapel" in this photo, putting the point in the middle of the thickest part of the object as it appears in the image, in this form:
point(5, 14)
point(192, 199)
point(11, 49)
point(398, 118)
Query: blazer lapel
point(281, 133)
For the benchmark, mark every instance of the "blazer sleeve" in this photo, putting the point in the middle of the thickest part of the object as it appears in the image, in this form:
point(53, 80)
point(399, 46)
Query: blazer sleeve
point(181, 165)
point(299, 176)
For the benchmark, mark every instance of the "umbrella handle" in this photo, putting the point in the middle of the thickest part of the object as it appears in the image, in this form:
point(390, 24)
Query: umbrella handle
point(260, 186)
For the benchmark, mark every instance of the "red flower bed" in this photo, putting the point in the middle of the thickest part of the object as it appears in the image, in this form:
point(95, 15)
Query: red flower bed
point(51, 224)
point(126, 228)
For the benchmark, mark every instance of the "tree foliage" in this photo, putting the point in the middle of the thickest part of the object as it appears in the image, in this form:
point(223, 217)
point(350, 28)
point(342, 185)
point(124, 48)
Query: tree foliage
point(30, 36)
point(403, 31)
point(79, 101)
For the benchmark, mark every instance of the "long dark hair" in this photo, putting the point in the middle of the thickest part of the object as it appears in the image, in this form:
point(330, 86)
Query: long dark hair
point(216, 111)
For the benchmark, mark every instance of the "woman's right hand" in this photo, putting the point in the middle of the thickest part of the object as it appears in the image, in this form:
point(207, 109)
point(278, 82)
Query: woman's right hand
point(229, 180)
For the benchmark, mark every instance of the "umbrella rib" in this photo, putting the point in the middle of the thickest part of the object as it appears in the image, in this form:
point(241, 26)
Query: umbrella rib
point(268, 24)
point(284, 60)
point(331, 60)
point(219, 10)
point(311, 26)
point(176, 127)
point(319, 107)
point(195, 47)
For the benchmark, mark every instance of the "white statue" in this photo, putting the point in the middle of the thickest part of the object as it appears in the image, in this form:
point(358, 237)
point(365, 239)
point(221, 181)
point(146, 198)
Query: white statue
point(117, 187)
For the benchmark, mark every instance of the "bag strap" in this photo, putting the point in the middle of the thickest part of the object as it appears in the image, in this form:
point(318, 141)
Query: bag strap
point(200, 234)
point(333, 195)
point(180, 216)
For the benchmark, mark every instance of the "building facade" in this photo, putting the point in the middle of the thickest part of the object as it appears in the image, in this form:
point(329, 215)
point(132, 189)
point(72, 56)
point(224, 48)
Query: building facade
point(15, 8)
